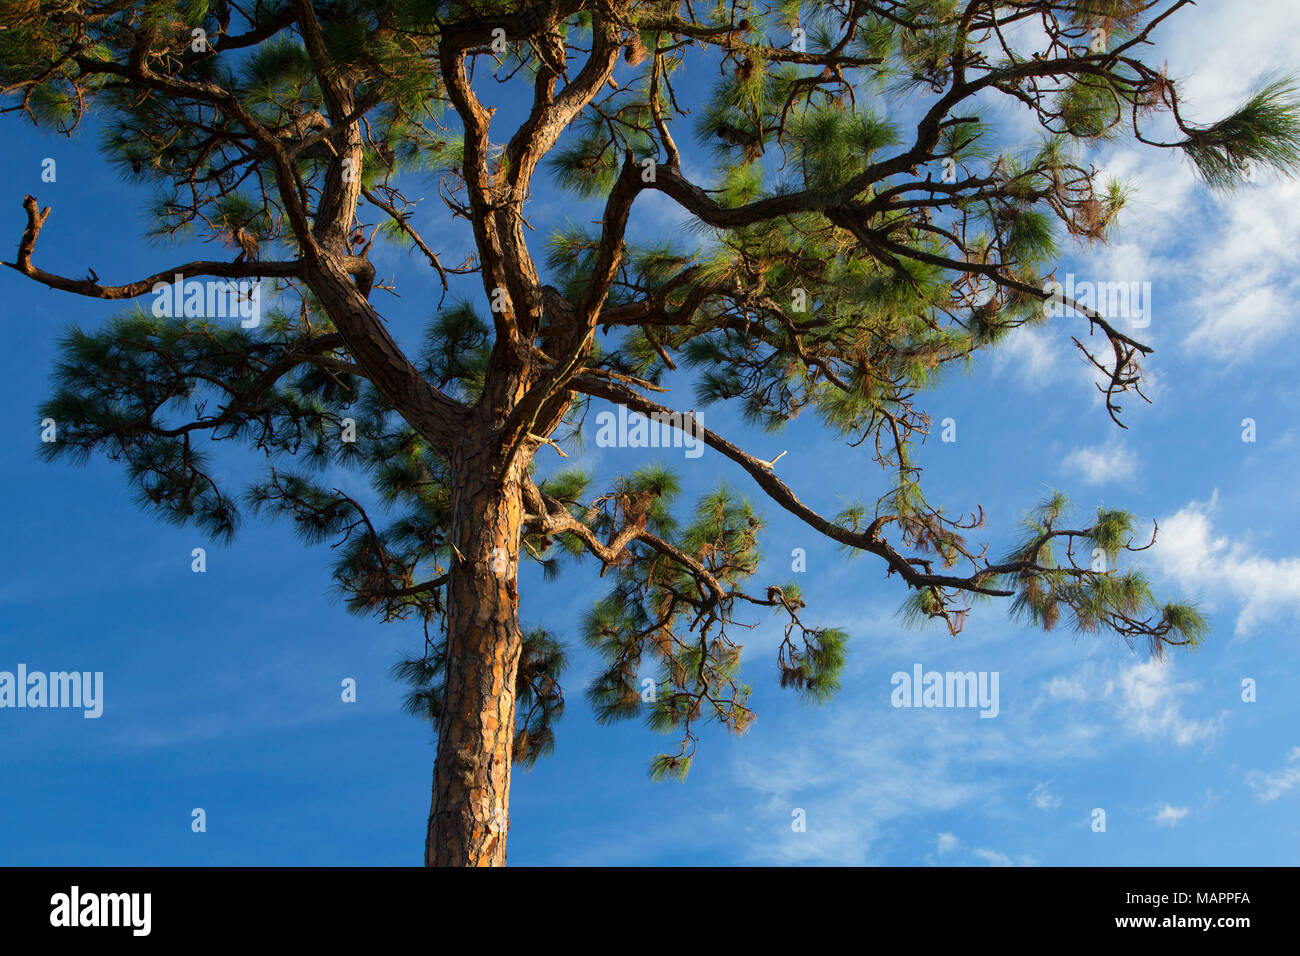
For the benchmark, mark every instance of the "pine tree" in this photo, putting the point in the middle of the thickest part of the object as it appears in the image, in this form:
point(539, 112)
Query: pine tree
point(869, 229)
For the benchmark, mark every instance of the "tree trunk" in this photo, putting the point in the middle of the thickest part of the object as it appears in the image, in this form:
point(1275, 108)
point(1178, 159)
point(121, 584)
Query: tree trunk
point(470, 813)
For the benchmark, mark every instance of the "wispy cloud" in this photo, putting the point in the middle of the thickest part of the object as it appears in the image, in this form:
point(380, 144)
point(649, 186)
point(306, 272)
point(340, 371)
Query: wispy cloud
point(1271, 785)
point(1043, 798)
point(1193, 554)
point(1102, 464)
point(1066, 688)
point(1170, 816)
point(994, 858)
point(1029, 355)
point(1150, 702)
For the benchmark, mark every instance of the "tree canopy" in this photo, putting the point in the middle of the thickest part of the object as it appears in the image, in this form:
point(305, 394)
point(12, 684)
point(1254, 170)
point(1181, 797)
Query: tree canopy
point(890, 185)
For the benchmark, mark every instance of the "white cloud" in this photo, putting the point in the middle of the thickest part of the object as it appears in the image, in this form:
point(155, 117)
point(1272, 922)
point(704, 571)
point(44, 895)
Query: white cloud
point(994, 858)
point(854, 792)
point(1066, 688)
point(1246, 272)
point(948, 843)
point(1270, 786)
point(1170, 816)
point(1162, 187)
point(1043, 798)
point(1189, 551)
point(1030, 354)
point(1150, 704)
point(1224, 286)
point(862, 793)
point(1225, 267)
point(1220, 55)
point(1102, 464)
point(1238, 317)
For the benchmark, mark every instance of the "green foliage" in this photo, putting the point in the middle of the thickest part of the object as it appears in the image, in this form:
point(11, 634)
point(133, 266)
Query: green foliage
point(1112, 531)
point(920, 606)
point(832, 145)
point(666, 767)
point(1188, 622)
point(1263, 132)
point(539, 702)
point(1091, 108)
point(456, 350)
point(643, 621)
point(868, 227)
point(816, 668)
point(588, 163)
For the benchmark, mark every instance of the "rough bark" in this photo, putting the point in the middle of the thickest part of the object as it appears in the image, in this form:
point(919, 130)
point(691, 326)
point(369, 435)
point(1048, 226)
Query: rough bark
point(470, 811)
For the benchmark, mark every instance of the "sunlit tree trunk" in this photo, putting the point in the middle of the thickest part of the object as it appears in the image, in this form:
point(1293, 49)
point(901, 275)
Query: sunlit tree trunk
point(470, 812)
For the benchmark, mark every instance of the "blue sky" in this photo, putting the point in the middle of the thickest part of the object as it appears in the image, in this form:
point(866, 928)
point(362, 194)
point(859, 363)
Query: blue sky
point(222, 690)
